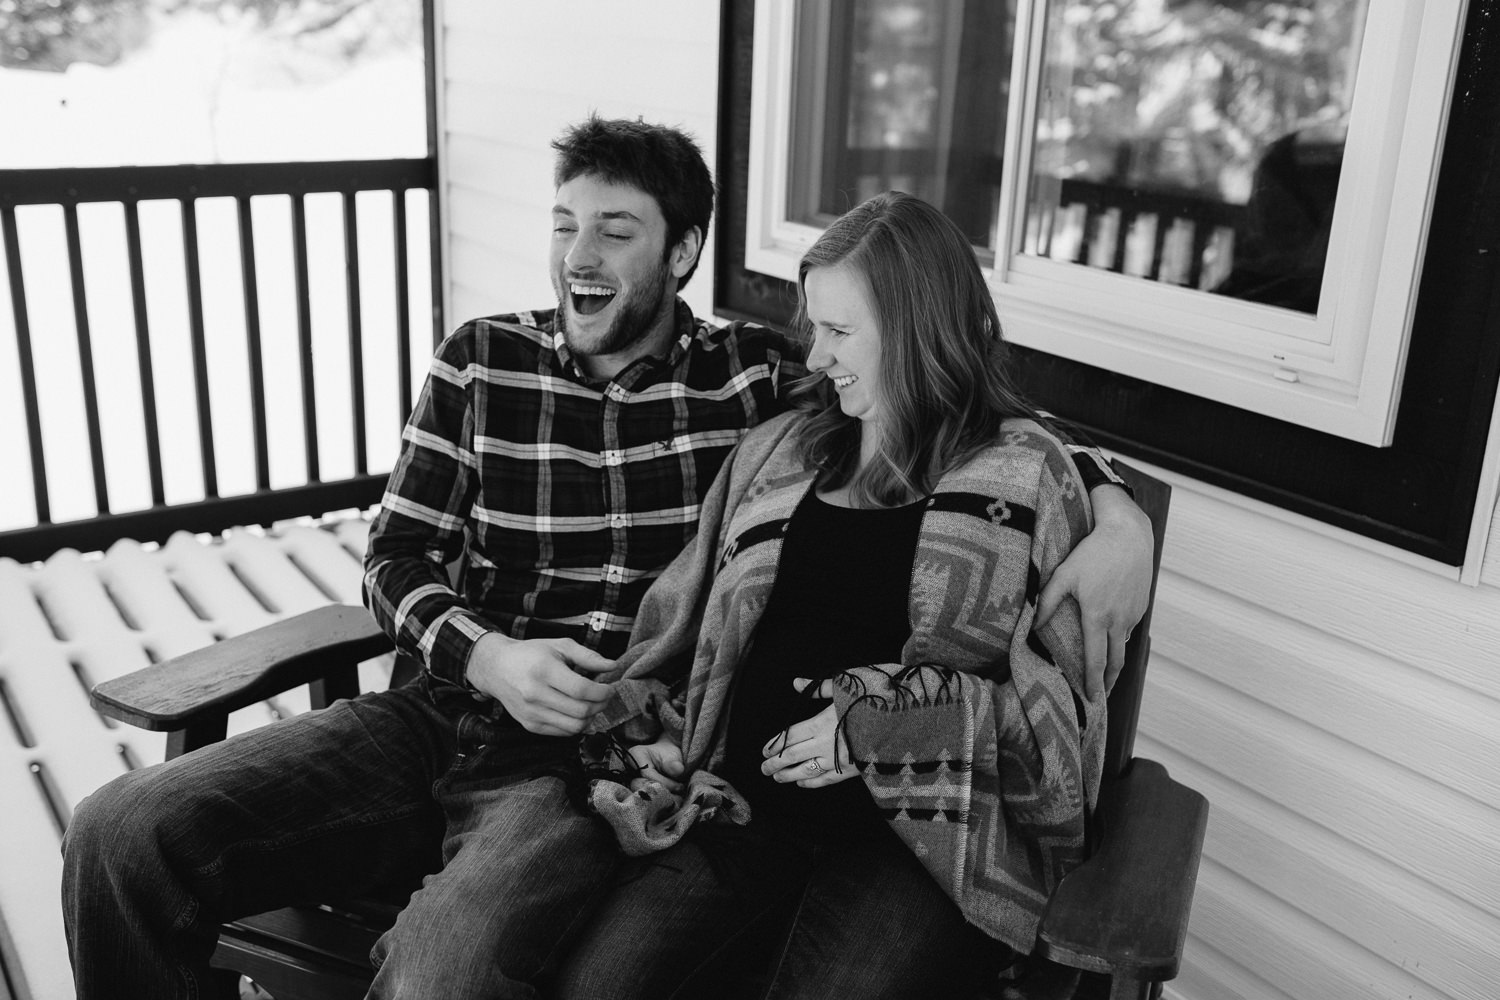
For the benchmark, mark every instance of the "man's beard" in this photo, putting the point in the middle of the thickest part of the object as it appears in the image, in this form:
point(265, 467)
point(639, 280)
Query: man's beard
point(636, 312)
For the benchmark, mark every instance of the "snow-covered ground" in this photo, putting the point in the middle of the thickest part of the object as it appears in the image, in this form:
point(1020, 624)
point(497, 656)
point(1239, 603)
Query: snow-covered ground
point(205, 90)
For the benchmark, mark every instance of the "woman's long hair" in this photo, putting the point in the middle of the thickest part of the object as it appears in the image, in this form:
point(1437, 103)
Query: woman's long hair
point(944, 382)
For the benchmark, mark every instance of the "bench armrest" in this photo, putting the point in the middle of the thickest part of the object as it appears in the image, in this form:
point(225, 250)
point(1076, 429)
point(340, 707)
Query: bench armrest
point(1124, 911)
point(195, 692)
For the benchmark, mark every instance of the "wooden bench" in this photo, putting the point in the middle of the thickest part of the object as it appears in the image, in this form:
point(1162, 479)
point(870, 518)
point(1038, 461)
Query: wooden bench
point(1121, 917)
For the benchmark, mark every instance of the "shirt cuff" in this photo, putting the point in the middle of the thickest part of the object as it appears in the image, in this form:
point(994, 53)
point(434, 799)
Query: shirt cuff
point(454, 640)
point(1095, 470)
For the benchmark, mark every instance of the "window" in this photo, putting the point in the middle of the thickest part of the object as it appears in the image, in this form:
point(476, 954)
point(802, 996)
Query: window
point(1176, 190)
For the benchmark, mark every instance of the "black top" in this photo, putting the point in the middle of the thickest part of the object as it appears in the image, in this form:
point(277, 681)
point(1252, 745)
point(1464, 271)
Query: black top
point(839, 601)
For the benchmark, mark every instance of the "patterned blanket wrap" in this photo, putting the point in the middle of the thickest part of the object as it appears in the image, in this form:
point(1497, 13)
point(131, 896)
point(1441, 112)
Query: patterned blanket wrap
point(980, 746)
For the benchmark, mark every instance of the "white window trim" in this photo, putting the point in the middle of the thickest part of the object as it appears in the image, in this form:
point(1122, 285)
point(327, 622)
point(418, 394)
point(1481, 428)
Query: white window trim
point(1338, 372)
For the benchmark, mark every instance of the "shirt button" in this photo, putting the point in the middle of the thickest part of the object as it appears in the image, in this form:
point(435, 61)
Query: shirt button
point(613, 576)
point(613, 458)
point(617, 520)
point(596, 622)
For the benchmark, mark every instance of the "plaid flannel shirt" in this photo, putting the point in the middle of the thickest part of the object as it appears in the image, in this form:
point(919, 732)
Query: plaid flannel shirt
point(561, 498)
point(558, 498)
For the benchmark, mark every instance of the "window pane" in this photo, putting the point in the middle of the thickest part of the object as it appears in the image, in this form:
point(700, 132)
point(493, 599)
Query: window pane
point(901, 94)
point(135, 82)
point(1194, 143)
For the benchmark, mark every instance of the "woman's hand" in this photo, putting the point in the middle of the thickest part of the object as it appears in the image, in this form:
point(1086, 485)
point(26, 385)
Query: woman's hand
point(660, 761)
point(812, 753)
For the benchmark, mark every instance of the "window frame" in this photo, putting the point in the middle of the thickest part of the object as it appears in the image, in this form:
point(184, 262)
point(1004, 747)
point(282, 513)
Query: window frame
point(1337, 372)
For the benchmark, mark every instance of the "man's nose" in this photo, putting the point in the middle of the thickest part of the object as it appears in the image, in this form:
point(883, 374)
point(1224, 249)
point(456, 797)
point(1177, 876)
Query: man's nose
point(583, 253)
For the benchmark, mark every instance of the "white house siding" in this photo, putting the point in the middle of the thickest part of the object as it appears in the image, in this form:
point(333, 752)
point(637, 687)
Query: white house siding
point(1340, 707)
point(1337, 702)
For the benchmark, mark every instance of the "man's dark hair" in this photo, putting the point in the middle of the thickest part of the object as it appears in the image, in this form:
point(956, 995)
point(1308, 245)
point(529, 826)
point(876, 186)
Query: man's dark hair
point(661, 161)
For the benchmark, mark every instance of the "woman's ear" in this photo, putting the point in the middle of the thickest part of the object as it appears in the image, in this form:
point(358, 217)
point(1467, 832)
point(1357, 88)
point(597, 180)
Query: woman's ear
point(685, 253)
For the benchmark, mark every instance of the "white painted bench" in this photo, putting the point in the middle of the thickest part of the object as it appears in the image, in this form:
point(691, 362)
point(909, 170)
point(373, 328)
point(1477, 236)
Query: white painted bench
point(73, 621)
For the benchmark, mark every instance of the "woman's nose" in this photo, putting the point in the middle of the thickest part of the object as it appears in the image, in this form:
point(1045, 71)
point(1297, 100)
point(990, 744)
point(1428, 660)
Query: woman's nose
point(819, 356)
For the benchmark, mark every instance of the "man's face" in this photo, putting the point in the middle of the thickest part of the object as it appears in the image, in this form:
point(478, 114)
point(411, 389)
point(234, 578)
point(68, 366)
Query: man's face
point(615, 276)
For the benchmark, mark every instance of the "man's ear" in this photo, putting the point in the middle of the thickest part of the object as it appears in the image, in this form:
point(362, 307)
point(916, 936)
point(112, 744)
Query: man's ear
point(685, 253)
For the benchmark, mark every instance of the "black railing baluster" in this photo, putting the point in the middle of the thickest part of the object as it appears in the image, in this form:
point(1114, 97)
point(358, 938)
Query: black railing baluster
point(356, 332)
point(143, 351)
point(1128, 217)
point(86, 357)
point(1158, 241)
point(200, 349)
point(27, 363)
point(403, 307)
point(304, 336)
point(251, 288)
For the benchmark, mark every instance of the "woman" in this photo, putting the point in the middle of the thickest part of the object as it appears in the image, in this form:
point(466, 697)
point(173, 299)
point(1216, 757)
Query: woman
point(882, 547)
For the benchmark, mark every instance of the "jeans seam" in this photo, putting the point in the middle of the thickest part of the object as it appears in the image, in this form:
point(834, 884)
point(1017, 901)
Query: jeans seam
point(786, 943)
point(186, 915)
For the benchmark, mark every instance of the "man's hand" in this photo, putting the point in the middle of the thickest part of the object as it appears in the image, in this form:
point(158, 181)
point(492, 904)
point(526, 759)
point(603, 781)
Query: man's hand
point(1109, 574)
point(812, 753)
point(660, 761)
point(538, 681)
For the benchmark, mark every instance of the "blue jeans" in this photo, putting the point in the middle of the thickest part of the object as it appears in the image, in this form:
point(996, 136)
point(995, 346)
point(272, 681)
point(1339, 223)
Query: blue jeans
point(856, 920)
point(376, 794)
point(350, 801)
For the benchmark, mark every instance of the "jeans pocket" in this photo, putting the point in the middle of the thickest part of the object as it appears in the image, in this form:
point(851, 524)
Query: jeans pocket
point(463, 765)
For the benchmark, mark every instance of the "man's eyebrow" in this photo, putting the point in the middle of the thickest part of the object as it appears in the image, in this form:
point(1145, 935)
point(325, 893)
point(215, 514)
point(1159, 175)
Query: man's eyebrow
point(619, 215)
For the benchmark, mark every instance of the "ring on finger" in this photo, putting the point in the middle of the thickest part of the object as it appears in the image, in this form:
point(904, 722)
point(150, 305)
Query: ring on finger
point(815, 767)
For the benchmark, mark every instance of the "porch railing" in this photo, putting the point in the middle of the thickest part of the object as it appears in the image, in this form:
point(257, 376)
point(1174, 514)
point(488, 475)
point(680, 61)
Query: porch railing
point(254, 190)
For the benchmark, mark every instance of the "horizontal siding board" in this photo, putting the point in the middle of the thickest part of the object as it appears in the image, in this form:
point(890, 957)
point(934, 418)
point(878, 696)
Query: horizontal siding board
point(587, 28)
point(1384, 706)
point(524, 115)
point(1208, 972)
point(1360, 597)
point(1292, 952)
point(1441, 836)
point(513, 172)
point(501, 224)
point(530, 66)
point(498, 282)
point(1394, 914)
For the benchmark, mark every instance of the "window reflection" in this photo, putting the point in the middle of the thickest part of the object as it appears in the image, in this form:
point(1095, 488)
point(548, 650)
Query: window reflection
point(1195, 143)
point(904, 94)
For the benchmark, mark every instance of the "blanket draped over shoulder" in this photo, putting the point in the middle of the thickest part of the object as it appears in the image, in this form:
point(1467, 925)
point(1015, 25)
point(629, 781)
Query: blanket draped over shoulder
point(980, 747)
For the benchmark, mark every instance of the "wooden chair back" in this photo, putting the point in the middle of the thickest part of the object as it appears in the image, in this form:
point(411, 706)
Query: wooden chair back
point(1154, 497)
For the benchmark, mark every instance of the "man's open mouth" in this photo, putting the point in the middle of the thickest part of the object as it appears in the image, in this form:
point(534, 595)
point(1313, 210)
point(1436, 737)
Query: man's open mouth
point(589, 299)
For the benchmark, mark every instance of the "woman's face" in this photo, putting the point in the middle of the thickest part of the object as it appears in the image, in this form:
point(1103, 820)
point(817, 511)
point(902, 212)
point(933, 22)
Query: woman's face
point(846, 338)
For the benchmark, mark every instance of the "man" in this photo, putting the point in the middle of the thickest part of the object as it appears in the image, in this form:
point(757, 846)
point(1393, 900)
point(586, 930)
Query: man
point(560, 458)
